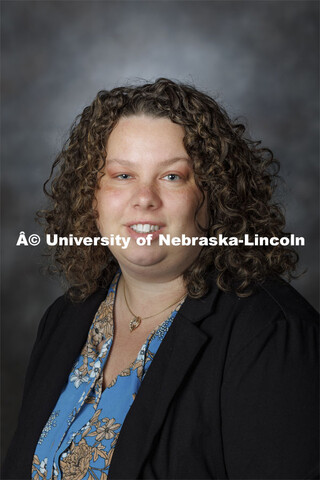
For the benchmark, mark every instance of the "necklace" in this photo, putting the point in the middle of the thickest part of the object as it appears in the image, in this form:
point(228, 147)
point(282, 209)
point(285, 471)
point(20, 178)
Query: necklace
point(136, 321)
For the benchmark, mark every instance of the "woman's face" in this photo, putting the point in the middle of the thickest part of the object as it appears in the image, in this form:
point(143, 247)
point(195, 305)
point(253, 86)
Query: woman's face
point(149, 189)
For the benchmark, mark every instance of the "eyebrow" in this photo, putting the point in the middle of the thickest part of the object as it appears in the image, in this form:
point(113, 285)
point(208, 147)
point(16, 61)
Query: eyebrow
point(163, 163)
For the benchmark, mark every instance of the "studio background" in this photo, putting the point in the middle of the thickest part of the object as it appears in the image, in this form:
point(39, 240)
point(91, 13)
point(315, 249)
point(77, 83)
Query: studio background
point(259, 59)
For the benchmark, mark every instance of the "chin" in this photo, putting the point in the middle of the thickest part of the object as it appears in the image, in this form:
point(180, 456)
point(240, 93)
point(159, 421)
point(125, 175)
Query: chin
point(144, 260)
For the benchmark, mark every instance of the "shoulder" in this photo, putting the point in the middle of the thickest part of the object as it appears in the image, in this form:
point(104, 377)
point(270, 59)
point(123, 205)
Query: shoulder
point(269, 385)
point(278, 295)
point(276, 300)
point(63, 302)
point(63, 310)
point(274, 312)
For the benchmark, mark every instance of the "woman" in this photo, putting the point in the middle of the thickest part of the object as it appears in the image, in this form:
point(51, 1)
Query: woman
point(168, 360)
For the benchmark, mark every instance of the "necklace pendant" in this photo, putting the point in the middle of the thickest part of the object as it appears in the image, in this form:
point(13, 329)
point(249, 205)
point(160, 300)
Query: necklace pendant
point(135, 322)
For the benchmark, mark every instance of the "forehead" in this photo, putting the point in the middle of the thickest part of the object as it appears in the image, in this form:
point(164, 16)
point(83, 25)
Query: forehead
point(141, 136)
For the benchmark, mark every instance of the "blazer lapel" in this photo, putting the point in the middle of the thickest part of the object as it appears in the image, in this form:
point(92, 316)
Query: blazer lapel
point(167, 371)
point(57, 352)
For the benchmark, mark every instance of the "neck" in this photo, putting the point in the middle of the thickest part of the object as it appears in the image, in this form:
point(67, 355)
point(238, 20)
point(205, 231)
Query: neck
point(149, 296)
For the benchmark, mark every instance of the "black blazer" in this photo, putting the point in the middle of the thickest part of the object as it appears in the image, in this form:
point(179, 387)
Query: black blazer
point(231, 393)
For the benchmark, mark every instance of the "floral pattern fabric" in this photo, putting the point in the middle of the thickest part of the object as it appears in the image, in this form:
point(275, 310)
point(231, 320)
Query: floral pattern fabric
point(79, 438)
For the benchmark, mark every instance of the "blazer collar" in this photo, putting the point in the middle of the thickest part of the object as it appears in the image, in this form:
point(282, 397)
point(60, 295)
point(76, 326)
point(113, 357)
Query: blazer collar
point(195, 310)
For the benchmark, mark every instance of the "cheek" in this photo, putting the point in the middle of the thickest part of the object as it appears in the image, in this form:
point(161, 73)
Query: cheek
point(110, 205)
point(108, 201)
point(190, 208)
point(103, 208)
point(202, 217)
point(187, 203)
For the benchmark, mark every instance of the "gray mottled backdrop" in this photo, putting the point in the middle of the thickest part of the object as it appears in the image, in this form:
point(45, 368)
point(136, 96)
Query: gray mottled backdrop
point(258, 58)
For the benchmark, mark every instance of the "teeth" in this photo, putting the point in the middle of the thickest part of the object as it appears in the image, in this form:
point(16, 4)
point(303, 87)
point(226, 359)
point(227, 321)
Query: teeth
point(146, 228)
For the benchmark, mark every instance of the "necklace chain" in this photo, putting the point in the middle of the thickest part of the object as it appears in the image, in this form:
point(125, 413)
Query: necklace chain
point(136, 321)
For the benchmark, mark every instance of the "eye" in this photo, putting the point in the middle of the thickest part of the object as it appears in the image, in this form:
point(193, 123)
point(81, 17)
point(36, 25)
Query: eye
point(123, 176)
point(173, 177)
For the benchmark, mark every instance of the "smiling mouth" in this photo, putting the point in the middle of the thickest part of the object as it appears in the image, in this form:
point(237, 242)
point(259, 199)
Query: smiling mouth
point(145, 228)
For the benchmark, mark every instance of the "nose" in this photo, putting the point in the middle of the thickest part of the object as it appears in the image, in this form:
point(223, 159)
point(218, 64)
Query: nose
point(146, 196)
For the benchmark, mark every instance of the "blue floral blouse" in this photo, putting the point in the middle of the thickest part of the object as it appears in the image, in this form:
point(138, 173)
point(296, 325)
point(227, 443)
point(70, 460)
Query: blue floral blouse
point(80, 435)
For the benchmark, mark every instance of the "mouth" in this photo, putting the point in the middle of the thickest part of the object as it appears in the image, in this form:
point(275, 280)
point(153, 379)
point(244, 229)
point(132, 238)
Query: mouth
point(143, 229)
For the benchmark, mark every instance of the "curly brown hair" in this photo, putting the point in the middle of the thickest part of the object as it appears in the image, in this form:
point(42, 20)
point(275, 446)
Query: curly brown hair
point(238, 176)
